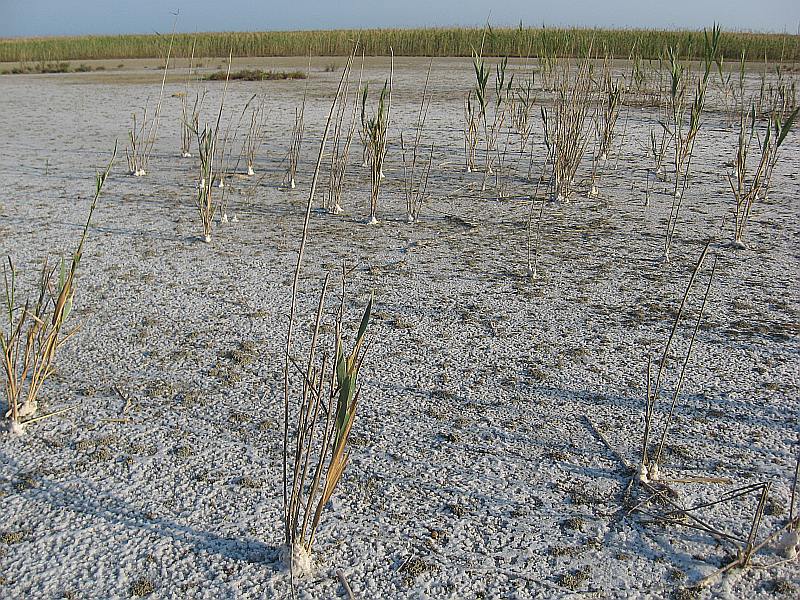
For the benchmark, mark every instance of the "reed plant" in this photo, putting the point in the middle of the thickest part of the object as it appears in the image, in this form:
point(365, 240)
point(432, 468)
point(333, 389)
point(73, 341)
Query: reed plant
point(317, 418)
point(750, 182)
point(657, 148)
point(416, 170)
point(649, 465)
point(533, 246)
point(684, 132)
point(142, 136)
point(295, 146)
point(612, 101)
point(521, 109)
point(296, 140)
point(342, 139)
point(189, 118)
point(254, 136)
point(209, 155)
point(377, 128)
point(503, 83)
point(471, 136)
point(36, 328)
point(481, 92)
point(206, 200)
point(479, 114)
point(139, 146)
point(567, 128)
point(324, 419)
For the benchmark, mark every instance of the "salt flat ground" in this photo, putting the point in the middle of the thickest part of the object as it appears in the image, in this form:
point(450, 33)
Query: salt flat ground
point(474, 472)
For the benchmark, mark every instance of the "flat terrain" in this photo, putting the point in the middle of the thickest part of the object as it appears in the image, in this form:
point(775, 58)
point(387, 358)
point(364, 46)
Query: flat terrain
point(474, 470)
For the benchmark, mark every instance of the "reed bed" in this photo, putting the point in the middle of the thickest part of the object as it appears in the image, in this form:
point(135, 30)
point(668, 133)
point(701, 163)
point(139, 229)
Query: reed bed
point(503, 41)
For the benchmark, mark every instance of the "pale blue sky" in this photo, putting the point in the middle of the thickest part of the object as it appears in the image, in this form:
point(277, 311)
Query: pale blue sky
point(71, 17)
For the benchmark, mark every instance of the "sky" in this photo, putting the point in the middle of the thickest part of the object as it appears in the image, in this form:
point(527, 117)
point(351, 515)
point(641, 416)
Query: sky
point(78, 17)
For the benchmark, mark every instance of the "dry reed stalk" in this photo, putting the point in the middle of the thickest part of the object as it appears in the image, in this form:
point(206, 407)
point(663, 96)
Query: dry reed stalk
point(523, 102)
point(684, 135)
point(501, 175)
point(612, 94)
point(470, 132)
point(296, 143)
point(649, 469)
point(533, 262)
point(255, 135)
point(188, 120)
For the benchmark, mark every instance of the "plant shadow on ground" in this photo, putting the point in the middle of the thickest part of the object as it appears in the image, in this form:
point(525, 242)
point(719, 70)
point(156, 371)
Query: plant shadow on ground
point(95, 503)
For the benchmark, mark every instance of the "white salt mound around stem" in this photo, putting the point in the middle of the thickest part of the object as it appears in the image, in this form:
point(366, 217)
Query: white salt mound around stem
point(297, 560)
point(16, 428)
point(789, 545)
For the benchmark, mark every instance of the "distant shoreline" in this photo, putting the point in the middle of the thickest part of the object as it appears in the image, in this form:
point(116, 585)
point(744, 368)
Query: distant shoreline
point(438, 42)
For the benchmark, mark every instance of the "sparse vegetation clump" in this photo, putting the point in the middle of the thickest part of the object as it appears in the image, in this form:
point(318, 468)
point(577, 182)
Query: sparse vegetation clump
point(749, 180)
point(255, 75)
point(142, 135)
point(45, 67)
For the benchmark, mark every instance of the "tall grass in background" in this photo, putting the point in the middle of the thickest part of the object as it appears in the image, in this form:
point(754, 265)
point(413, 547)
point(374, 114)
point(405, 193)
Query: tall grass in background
point(406, 42)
